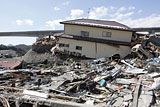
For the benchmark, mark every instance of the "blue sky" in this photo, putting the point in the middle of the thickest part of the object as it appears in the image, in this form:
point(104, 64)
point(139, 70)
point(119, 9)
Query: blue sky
point(30, 15)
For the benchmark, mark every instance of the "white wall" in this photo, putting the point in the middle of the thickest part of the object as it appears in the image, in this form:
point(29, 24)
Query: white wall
point(95, 50)
point(97, 32)
point(124, 50)
point(88, 48)
point(106, 50)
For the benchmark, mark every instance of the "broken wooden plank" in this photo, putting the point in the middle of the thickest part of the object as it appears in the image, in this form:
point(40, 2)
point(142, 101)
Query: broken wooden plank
point(136, 93)
point(11, 88)
point(64, 97)
point(9, 71)
point(35, 94)
point(68, 98)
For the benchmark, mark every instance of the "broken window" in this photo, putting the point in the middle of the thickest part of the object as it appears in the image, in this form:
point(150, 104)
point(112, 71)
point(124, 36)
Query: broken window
point(85, 33)
point(78, 47)
point(106, 34)
point(63, 45)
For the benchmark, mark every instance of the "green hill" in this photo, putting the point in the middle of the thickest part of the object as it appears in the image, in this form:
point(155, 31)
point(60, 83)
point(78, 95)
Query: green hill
point(26, 48)
point(20, 49)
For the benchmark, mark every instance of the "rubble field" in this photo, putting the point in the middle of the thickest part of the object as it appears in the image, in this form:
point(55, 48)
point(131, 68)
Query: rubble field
point(133, 81)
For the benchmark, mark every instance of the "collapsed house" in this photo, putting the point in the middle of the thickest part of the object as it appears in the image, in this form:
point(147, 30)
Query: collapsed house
point(95, 38)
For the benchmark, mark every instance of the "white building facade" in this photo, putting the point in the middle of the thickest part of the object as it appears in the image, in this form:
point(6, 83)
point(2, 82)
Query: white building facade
point(95, 38)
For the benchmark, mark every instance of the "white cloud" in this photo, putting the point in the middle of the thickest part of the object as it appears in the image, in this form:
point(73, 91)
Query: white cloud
point(149, 21)
point(28, 21)
point(125, 16)
point(112, 8)
point(76, 13)
point(121, 16)
point(24, 22)
point(121, 9)
point(53, 24)
point(98, 12)
point(131, 8)
point(56, 8)
point(140, 11)
point(66, 3)
point(18, 22)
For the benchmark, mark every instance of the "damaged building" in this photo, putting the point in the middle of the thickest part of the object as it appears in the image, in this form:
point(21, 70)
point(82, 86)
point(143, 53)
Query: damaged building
point(43, 79)
point(95, 38)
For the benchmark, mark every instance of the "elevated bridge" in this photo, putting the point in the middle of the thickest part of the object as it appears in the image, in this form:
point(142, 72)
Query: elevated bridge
point(30, 33)
point(150, 30)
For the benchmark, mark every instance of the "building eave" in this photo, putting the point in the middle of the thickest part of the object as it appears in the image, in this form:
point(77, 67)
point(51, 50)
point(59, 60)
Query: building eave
point(97, 40)
point(129, 30)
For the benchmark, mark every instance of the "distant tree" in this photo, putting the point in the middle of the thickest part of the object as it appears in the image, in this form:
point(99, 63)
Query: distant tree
point(19, 51)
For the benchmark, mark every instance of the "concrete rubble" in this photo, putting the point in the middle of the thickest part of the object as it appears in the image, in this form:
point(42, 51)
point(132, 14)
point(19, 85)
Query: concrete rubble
point(133, 81)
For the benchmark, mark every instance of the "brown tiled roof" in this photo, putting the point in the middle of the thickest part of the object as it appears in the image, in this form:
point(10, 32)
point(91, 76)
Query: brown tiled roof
point(98, 23)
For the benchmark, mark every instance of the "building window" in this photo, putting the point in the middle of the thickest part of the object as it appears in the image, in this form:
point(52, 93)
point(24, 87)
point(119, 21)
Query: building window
point(78, 47)
point(84, 33)
point(106, 34)
point(66, 45)
point(63, 45)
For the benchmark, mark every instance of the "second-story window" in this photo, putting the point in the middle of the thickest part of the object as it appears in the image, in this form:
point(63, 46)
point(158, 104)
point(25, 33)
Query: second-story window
point(85, 33)
point(106, 34)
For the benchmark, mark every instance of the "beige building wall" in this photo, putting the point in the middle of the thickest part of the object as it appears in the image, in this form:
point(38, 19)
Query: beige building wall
point(125, 50)
point(97, 32)
point(106, 50)
point(88, 48)
point(109, 50)
point(93, 49)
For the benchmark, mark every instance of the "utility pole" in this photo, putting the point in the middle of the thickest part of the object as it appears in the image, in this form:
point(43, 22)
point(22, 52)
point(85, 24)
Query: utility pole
point(88, 13)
